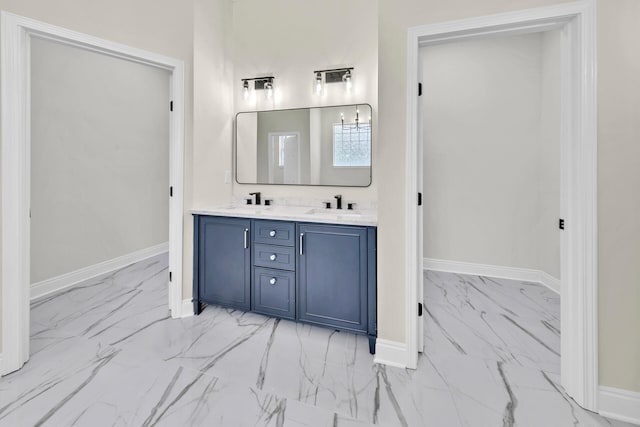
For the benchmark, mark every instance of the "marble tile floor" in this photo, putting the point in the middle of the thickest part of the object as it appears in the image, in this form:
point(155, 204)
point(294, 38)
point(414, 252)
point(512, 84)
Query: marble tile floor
point(107, 353)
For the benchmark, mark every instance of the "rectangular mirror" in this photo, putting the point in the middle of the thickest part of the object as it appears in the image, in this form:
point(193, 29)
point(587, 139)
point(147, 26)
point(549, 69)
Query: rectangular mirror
point(306, 146)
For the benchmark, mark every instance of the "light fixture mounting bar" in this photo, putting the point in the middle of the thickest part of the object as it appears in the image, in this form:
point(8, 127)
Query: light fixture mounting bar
point(335, 75)
point(334, 69)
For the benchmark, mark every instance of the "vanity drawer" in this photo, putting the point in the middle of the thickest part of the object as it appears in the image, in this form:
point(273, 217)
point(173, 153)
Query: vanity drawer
point(273, 292)
point(274, 232)
point(272, 256)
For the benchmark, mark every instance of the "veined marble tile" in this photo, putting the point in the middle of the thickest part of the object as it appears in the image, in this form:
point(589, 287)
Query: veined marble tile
point(107, 353)
point(124, 300)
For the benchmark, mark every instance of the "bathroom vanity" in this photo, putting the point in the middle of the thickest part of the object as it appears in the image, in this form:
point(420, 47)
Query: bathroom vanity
point(307, 265)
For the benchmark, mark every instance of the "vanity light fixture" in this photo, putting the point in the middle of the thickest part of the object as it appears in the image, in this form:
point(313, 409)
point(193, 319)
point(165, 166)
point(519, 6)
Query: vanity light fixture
point(259, 83)
point(336, 75)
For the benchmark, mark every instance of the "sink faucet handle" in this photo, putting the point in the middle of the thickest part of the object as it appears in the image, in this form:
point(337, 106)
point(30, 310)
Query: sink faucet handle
point(257, 194)
point(338, 198)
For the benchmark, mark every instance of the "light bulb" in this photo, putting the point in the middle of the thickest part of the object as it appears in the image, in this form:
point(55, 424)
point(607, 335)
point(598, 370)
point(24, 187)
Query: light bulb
point(347, 80)
point(245, 90)
point(318, 83)
point(268, 90)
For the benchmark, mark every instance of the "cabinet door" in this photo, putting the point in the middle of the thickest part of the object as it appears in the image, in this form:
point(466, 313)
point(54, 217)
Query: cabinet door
point(225, 262)
point(332, 276)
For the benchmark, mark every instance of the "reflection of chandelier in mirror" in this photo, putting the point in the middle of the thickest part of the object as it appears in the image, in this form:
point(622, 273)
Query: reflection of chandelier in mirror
point(336, 75)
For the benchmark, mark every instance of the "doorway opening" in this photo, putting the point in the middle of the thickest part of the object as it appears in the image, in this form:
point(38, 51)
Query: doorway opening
point(284, 157)
point(575, 22)
point(18, 36)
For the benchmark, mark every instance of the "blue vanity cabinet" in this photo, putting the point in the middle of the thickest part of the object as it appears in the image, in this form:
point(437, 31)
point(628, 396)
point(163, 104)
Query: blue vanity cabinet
point(336, 277)
point(222, 262)
point(321, 274)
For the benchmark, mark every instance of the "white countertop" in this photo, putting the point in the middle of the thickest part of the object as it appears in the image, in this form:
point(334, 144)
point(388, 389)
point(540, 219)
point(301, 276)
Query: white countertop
point(295, 213)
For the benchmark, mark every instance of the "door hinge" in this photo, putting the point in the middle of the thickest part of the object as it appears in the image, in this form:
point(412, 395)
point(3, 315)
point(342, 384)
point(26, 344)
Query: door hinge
point(171, 191)
point(171, 106)
point(419, 199)
point(419, 309)
point(561, 224)
point(170, 276)
point(419, 89)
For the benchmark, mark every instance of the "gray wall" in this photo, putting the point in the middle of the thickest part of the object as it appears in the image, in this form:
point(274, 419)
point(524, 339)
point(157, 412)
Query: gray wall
point(100, 158)
point(492, 151)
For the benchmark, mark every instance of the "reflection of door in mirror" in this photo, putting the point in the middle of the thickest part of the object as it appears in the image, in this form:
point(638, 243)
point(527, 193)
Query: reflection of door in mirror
point(284, 158)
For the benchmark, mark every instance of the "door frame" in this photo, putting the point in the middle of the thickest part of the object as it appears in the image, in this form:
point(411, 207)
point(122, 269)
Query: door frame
point(579, 293)
point(16, 33)
point(273, 151)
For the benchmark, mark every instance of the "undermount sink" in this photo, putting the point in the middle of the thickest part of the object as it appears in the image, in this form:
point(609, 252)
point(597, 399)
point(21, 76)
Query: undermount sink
point(248, 209)
point(334, 212)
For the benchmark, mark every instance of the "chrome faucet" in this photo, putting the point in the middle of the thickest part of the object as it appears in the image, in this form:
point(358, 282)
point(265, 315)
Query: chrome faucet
point(257, 194)
point(338, 201)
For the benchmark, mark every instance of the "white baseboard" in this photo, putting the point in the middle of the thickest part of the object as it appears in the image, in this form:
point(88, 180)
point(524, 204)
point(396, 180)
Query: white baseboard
point(618, 404)
point(67, 280)
point(501, 272)
point(391, 353)
point(187, 308)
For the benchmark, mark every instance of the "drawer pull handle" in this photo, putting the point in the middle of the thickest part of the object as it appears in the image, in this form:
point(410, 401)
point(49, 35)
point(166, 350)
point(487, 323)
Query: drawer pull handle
point(273, 281)
point(272, 233)
point(273, 257)
point(301, 243)
point(246, 238)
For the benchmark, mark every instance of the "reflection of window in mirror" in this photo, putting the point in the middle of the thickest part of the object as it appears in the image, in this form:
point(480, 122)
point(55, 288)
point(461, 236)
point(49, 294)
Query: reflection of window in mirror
point(352, 145)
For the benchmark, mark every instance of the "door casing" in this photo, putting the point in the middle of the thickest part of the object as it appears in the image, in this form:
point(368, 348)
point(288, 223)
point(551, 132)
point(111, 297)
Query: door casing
point(16, 34)
point(579, 329)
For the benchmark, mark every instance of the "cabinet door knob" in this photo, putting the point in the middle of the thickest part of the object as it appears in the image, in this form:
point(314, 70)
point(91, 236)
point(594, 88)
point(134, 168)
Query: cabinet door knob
point(272, 233)
point(273, 281)
point(272, 257)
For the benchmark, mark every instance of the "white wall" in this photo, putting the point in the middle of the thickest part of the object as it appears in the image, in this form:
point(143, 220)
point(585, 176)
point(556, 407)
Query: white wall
point(100, 158)
point(491, 152)
point(289, 39)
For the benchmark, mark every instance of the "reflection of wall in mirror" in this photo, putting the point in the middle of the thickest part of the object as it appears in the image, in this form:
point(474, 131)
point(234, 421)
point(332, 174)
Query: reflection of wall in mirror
point(291, 121)
point(246, 147)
